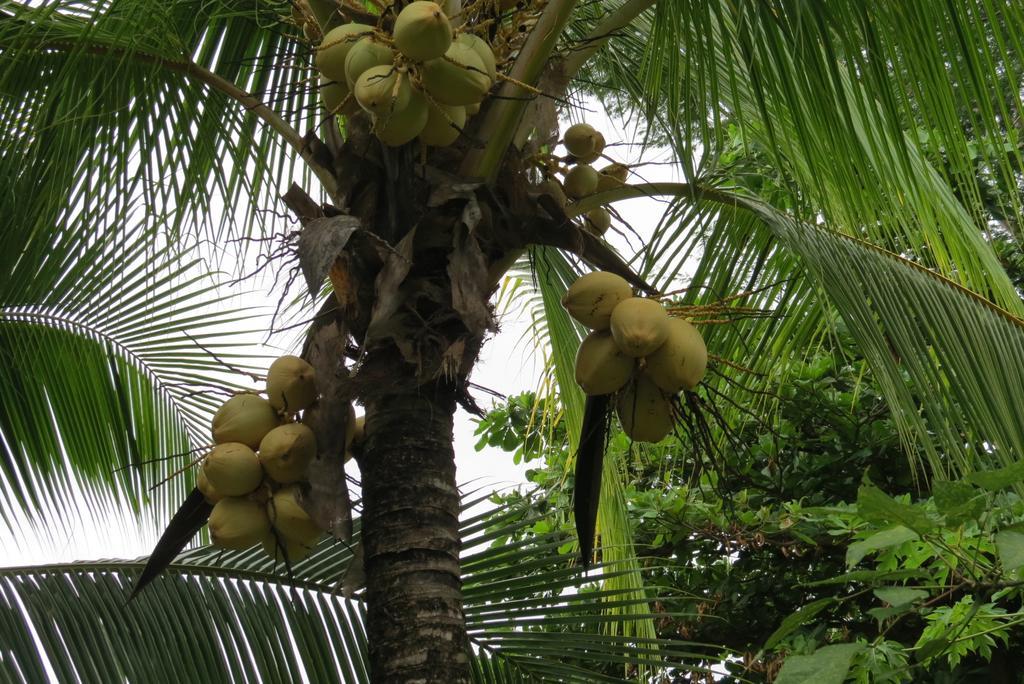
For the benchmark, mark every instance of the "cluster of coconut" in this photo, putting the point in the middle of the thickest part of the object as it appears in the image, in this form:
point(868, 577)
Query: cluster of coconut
point(422, 80)
point(585, 145)
point(635, 350)
point(254, 475)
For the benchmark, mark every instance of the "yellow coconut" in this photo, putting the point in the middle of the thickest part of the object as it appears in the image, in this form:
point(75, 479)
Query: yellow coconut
point(233, 469)
point(580, 181)
point(596, 153)
point(681, 361)
point(288, 518)
point(382, 89)
point(483, 51)
point(286, 452)
point(591, 299)
point(444, 124)
point(459, 78)
point(365, 54)
point(612, 176)
point(238, 523)
point(422, 31)
point(334, 48)
point(598, 221)
point(291, 384)
point(553, 188)
point(282, 548)
point(639, 326)
point(601, 367)
point(399, 126)
point(580, 139)
point(203, 484)
point(244, 418)
point(644, 411)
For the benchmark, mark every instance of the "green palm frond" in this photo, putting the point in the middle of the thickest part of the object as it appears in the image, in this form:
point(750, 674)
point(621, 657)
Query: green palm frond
point(111, 106)
point(217, 616)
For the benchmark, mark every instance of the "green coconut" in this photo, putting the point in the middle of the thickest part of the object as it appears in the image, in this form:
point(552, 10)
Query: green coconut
point(335, 97)
point(289, 519)
point(283, 549)
point(483, 51)
point(366, 54)
point(286, 451)
point(639, 326)
point(553, 188)
point(203, 485)
point(233, 469)
point(598, 221)
point(238, 523)
point(244, 418)
point(580, 181)
point(644, 411)
point(459, 78)
point(593, 297)
point(382, 89)
point(612, 176)
point(681, 361)
point(422, 31)
point(601, 367)
point(334, 48)
point(596, 153)
point(444, 124)
point(472, 109)
point(401, 126)
point(291, 384)
point(580, 139)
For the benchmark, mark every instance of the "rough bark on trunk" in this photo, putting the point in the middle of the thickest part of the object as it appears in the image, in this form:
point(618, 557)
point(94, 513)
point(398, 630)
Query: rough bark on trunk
point(415, 621)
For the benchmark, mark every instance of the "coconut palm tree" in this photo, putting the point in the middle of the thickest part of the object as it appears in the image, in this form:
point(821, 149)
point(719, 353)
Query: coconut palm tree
point(146, 145)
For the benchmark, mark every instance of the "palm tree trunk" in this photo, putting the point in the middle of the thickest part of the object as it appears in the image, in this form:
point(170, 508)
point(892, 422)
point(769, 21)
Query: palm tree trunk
point(415, 621)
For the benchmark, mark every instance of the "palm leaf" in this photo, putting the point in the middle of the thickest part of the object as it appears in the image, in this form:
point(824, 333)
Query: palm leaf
point(217, 616)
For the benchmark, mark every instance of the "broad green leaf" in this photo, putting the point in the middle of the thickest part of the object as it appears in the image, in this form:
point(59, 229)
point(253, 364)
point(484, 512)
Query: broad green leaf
point(875, 505)
point(900, 596)
point(801, 616)
point(894, 536)
point(958, 502)
point(1010, 545)
point(827, 665)
point(1000, 478)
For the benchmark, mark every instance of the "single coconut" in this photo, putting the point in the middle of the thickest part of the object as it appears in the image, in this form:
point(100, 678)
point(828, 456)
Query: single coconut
point(366, 54)
point(233, 469)
point(601, 367)
point(591, 299)
point(483, 51)
point(639, 326)
point(203, 485)
point(580, 181)
point(289, 518)
point(286, 452)
point(681, 361)
point(644, 411)
point(459, 78)
point(612, 176)
point(284, 549)
point(334, 48)
point(244, 418)
point(238, 523)
point(382, 89)
point(553, 188)
point(472, 109)
point(580, 139)
point(598, 221)
point(291, 384)
point(399, 126)
point(596, 154)
point(422, 31)
point(444, 124)
point(336, 97)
